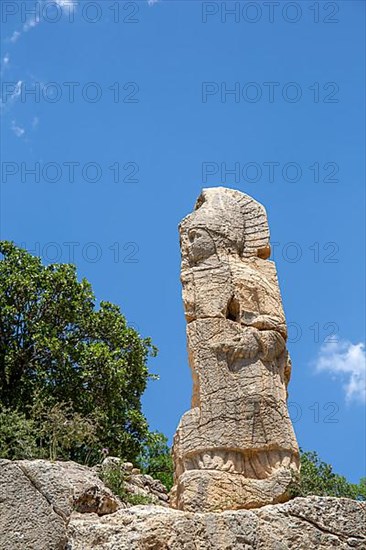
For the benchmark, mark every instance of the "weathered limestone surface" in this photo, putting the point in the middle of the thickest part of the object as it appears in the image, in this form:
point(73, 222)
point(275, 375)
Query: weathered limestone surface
point(312, 523)
point(235, 448)
point(69, 486)
point(40, 509)
point(38, 497)
point(27, 518)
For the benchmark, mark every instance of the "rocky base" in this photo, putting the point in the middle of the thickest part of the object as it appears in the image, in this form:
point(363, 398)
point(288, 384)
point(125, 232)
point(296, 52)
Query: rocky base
point(65, 506)
point(216, 491)
point(313, 523)
point(38, 498)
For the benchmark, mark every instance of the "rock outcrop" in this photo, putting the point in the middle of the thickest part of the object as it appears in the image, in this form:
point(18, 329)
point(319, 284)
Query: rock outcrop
point(64, 506)
point(28, 518)
point(38, 497)
point(313, 523)
point(235, 448)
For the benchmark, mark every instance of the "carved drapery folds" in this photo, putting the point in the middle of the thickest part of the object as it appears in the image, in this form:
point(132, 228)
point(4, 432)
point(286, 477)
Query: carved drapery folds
point(235, 448)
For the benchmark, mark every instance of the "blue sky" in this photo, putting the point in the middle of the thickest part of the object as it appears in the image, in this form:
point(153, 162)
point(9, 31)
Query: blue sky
point(131, 115)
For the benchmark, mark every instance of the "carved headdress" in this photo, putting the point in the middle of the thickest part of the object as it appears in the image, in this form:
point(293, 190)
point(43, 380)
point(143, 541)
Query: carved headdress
point(235, 217)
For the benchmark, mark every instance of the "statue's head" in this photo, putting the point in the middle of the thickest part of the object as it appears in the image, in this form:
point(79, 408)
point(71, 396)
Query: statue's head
point(224, 221)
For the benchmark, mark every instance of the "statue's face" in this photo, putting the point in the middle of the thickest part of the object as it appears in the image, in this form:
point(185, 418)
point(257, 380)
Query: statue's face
point(200, 245)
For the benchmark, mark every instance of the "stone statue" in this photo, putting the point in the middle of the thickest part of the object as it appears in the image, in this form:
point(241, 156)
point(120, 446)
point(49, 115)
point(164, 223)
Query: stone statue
point(235, 448)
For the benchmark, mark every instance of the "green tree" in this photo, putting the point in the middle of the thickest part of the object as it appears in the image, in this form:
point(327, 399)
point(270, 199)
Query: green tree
point(361, 489)
point(17, 435)
point(56, 348)
point(317, 478)
point(156, 459)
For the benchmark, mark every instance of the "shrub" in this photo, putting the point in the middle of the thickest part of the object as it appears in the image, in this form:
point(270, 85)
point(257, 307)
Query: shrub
point(317, 478)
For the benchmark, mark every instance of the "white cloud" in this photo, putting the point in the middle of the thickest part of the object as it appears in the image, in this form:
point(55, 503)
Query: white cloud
point(14, 94)
point(29, 24)
point(33, 22)
point(66, 3)
point(10, 96)
point(4, 64)
point(346, 361)
point(17, 130)
point(35, 19)
point(70, 5)
point(152, 2)
point(18, 89)
point(14, 37)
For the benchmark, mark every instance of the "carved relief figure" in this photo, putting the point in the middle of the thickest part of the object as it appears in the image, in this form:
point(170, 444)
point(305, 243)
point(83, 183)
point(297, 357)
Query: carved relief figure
point(235, 448)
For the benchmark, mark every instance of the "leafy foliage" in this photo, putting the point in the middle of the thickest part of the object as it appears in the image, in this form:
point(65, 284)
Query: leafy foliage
point(136, 499)
point(63, 433)
point(17, 435)
point(83, 365)
point(361, 489)
point(114, 477)
point(156, 459)
point(317, 478)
